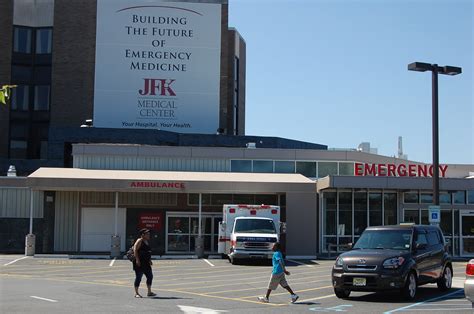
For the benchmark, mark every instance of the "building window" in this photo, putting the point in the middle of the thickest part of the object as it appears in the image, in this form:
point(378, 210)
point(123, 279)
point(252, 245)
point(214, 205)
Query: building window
point(19, 130)
point(20, 98)
point(266, 199)
point(445, 198)
point(446, 223)
point(308, 169)
point(221, 199)
point(470, 197)
point(21, 73)
point(284, 167)
point(411, 215)
point(330, 205)
point(263, 166)
point(345, 168)
point(327, 169)
point(424, 216)
point(241, 166)
point(22, 40)
point(426, 198)
point(44, 40)
point(42, 98)
point(193, 199)
point(243, 199)
point(18, 149)
point(42, 75)
point(183, 230)
point(411, 197)
point(329, 228)
point(390, 208)
point(459, 197)
point(375, 209)
point(360, 212)
point(178, 234)
point(206, 229)
point(345, 214)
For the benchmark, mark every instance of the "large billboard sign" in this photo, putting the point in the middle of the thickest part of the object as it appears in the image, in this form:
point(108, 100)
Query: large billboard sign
point(157, 65)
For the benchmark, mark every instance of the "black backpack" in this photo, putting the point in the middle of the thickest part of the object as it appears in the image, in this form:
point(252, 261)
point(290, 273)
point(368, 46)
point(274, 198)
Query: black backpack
point(130, 255)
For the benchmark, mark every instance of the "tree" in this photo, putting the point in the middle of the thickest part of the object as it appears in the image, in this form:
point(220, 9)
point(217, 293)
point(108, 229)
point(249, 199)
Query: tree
point(5, 93)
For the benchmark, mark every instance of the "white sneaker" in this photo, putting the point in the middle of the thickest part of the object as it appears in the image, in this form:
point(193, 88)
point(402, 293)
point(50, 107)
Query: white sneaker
point(263, 299)
point(294, 298)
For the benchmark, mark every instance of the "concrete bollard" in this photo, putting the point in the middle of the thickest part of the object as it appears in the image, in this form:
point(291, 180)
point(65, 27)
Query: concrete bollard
point(199, 244)
point(30, 244)
point(115, 246)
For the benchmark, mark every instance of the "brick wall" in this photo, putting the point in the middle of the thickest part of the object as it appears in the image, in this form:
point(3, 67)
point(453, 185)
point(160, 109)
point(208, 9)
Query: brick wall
point(6, 27)
point(73, 62)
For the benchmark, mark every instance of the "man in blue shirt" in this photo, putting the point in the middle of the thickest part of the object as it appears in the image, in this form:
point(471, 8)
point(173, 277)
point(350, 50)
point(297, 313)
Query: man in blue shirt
point(278, 275)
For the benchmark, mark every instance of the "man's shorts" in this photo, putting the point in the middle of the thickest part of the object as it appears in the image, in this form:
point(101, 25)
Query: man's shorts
point(277, 279)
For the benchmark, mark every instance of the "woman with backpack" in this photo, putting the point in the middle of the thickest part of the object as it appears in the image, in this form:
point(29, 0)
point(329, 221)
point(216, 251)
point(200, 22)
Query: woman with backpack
point(142, 262)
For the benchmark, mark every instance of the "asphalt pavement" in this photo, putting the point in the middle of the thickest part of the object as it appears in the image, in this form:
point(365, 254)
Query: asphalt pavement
point(59, 285)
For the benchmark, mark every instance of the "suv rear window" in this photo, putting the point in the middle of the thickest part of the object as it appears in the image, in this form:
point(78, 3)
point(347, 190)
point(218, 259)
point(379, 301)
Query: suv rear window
point(421, 238)
point(385, 239)
point(433, 238)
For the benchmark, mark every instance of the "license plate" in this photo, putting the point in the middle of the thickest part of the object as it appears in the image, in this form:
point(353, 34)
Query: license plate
point(359, 281)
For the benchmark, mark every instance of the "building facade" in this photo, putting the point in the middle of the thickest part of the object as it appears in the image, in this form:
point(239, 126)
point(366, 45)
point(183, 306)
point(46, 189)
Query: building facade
point(79, 186)
point(49, 51)
point(326, 200)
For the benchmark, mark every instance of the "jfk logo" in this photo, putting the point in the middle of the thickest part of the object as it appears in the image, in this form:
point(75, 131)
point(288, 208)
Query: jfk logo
point(160, 87)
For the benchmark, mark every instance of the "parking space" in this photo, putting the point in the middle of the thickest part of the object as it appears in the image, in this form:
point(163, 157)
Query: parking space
point(196, 286)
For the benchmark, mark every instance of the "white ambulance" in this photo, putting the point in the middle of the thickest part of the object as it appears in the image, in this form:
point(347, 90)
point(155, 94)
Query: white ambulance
point(249, 231)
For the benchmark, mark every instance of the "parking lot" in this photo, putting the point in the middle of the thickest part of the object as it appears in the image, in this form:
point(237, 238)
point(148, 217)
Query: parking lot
point(56, 285)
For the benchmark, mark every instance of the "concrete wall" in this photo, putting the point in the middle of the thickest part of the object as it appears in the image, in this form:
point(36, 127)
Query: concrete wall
point(302, 224)
point(242, 53)
point(236, 49)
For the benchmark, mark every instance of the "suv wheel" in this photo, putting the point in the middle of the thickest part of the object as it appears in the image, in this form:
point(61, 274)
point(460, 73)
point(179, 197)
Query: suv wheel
point(445, 282)
point(409, 291)
point(342, 293)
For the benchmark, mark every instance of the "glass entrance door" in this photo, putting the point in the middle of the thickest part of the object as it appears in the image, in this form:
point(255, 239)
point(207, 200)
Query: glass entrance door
point(467, 233)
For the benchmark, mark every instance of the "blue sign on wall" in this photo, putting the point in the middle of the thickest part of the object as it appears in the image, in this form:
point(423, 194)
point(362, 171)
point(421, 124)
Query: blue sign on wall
point(434, 214)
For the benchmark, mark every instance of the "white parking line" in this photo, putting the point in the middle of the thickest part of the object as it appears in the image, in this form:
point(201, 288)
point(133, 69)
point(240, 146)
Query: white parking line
point(317, 298)
point(423, 302)
point(44, 299)
point(112, 262)
point(18, 259)
point(208, 262)
point(299, 263)
point(447, 309)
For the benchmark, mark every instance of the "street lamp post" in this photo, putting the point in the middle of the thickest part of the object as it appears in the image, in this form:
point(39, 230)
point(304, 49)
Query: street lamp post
point(435, 70)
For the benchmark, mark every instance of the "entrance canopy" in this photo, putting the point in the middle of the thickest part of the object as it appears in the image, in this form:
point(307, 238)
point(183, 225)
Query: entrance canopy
point(73, 179)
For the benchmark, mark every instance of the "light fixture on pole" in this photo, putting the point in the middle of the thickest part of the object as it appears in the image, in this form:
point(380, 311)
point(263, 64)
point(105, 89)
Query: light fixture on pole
point(435, 70)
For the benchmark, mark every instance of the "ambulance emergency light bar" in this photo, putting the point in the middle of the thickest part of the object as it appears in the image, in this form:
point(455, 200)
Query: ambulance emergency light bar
point(253, 209)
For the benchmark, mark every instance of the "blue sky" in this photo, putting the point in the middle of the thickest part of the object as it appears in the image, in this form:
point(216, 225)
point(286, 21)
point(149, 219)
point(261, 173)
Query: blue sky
point(335, 72)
